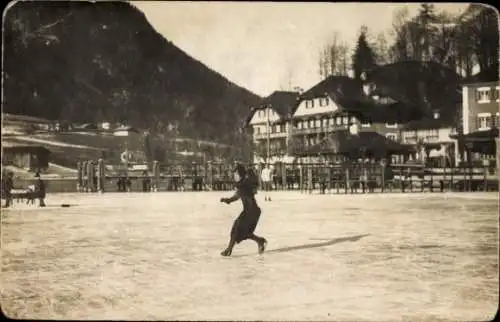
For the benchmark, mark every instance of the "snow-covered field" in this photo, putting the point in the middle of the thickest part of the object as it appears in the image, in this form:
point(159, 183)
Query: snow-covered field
point(380, 257)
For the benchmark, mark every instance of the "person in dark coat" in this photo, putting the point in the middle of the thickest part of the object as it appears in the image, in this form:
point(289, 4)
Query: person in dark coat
point(40, 190)
point(8, 186)
point(244, 226)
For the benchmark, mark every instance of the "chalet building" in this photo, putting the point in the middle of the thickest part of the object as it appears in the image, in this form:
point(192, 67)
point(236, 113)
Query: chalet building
point(25, 156)
point(334, 110)
point(270, 122)
point(480, 120)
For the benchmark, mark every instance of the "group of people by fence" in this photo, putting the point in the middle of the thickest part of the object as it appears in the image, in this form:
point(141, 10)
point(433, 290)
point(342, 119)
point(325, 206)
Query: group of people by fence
point(36, 190)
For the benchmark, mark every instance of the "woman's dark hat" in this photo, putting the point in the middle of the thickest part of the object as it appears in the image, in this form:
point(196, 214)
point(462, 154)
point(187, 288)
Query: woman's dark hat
point(240, 169)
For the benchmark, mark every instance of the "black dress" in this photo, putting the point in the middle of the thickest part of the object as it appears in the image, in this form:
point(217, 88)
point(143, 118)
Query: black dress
point(244, 226)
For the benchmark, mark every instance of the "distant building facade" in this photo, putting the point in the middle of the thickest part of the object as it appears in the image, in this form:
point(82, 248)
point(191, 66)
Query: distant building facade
point(296, 124)
point(28, 157)
point(480, 108)
point(480, 121)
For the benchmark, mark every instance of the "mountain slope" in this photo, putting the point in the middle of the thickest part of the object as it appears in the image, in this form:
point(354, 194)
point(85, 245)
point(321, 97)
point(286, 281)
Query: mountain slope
point(93, 62)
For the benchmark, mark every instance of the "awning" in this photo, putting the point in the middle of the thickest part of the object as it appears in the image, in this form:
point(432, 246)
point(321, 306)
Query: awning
point(483, 135)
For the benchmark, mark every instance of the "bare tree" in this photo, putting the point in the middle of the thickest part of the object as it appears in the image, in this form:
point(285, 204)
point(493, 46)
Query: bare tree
point(334, 58)
point(381, 47)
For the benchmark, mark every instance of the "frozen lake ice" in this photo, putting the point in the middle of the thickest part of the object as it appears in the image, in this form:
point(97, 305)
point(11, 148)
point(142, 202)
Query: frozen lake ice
point(148, 256)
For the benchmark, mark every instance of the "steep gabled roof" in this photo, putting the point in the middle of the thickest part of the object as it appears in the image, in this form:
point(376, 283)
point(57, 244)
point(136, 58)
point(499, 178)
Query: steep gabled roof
point(348, 92)
point(341, 89)
point(282, 102)
point(427, 86)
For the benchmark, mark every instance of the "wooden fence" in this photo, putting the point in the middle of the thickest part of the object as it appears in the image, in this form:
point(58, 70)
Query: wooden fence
point(308, 178)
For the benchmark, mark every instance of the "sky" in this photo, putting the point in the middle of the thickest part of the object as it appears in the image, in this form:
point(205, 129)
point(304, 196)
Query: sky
point(266, 46)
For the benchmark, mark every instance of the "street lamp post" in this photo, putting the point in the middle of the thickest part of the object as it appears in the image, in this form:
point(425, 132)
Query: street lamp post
point(268, 134)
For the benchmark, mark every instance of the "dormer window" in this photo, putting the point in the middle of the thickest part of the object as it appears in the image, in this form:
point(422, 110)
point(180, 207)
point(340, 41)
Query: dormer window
point(309, 103)
point(323, 101)
point(496, 96)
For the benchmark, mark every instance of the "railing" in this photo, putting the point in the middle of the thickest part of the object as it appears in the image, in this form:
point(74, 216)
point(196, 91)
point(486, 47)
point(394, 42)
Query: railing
point(323, 178)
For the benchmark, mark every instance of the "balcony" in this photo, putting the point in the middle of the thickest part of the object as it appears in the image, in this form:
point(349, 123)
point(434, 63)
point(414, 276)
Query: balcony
point(262, 136)
point(329, 128)
point(410, 140)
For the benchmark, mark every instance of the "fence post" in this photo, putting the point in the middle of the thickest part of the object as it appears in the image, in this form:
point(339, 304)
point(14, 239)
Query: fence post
point(156, 174)
point(382, 176)
point(283, 175)
point(79, 176)
point(347, 179)
point(309, 179)
point(90, 176)
point(485, 167)
point(100, 175)
point(85, 180)
point(301, 178)
point(329, 178)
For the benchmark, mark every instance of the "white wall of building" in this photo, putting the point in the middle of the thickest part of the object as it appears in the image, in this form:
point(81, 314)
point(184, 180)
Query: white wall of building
point(316, 106)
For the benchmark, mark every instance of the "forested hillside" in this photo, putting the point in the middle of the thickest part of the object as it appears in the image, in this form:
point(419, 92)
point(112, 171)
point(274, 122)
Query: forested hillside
point(92, 62)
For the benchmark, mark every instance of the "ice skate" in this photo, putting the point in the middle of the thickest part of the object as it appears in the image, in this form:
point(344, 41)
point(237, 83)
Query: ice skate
point(262, 246)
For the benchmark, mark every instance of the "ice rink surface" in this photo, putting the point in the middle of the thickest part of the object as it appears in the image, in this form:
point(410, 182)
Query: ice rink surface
point(146, 256)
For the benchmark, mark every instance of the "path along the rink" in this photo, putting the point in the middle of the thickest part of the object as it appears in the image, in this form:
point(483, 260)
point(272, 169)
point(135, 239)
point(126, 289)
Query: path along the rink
point(143, 256)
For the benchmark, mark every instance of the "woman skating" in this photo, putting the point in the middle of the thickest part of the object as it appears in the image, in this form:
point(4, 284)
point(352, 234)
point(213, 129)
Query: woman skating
point(244, 226)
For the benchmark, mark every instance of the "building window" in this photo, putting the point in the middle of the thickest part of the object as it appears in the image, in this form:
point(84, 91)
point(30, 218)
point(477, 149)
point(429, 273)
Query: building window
point(311, 124)
point(299, 125)
point(338, 120)
point(278, 128)
point(325, 122)
point(323, 101)
point(353, 119)
point(391, 136)
point(332, 121)
point(345, 120)
point(317, 123)
point(483, 95)
point(257, 130)
point(391, 125)
point(497, 94)
point(431, 135)
point(483, 121)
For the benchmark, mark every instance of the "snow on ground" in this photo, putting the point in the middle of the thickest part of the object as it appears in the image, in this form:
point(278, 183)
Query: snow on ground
point(380, 257)
point(52, 142)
